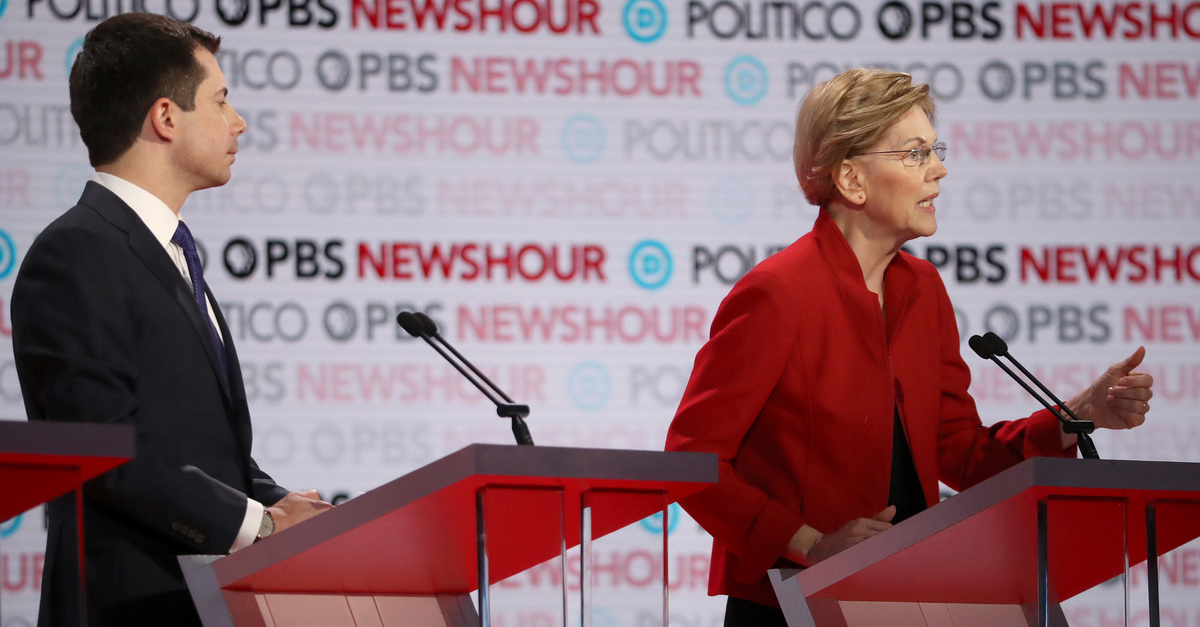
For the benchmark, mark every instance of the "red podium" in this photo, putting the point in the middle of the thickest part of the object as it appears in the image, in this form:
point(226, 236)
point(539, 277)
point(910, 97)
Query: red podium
point(43, 460)
point(40, 461)
point(409, 552)
point(1006, 551)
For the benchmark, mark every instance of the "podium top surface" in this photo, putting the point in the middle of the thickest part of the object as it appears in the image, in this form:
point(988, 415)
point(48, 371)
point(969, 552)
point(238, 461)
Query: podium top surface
point(981, 546)
point(42, 460)
point(417, 534)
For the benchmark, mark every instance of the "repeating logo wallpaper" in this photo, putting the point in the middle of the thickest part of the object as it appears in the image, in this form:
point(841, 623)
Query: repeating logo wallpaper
point(570, 188)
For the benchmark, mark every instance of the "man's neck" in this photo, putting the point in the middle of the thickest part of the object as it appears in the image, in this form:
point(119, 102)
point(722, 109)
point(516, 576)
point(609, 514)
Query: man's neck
point(148, 178)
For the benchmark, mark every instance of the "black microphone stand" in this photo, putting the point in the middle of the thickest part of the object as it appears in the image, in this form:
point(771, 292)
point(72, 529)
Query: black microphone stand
point(987, 349)
point(420, 325)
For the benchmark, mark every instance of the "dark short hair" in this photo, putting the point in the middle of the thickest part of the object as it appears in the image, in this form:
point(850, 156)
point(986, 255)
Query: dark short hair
point(127, 63)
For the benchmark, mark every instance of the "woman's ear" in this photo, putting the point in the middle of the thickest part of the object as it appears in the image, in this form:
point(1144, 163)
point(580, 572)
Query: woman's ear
point(849, 183)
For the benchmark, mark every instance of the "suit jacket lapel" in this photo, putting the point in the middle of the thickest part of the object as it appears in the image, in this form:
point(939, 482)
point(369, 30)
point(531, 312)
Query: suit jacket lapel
point(151, 253)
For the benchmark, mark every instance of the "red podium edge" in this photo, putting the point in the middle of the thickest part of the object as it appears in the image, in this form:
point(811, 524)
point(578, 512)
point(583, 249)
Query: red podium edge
point(981, 546)
point(50, 459)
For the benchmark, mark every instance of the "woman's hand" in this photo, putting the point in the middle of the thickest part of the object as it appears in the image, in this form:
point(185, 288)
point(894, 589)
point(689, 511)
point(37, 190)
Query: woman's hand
point(814, 547)
point(1119, 399)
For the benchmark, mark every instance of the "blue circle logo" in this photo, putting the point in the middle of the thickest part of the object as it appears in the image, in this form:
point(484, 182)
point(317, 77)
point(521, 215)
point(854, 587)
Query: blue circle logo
point(732, 200)
point(8, 255)
point(645, 20)
point(7, 529)
point(3, 6)
point(590, 385)
point(583, 138)
point(72, 52)
point(654, 522)
point(746, 80)
point(650, 264)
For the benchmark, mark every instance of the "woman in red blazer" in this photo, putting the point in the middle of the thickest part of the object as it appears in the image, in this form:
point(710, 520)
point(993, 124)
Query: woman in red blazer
point(831, 388)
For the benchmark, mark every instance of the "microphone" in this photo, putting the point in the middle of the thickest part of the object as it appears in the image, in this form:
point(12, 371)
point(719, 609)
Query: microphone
point(990, 345)
point(420, 325)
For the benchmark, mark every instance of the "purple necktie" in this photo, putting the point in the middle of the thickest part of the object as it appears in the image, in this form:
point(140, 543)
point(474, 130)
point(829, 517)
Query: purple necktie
point(183, 238)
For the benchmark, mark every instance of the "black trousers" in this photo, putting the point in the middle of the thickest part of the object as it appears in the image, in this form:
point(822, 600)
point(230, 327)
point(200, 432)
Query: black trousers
point(743, 613)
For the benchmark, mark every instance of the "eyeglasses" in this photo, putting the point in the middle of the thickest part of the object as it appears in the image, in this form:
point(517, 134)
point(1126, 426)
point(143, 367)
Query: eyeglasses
point(916, 156)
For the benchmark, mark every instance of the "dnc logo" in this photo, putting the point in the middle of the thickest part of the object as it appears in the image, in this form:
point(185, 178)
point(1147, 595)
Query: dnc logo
point(645, 20)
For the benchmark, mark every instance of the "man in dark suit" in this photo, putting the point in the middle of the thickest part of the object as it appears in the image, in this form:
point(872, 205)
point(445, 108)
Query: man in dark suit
point(112, 323)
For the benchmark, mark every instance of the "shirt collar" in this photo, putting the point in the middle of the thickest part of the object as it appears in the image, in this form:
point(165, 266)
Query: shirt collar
point(155, 213)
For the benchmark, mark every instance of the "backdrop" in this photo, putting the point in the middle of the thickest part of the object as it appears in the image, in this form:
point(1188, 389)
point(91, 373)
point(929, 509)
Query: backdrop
point(569, 188)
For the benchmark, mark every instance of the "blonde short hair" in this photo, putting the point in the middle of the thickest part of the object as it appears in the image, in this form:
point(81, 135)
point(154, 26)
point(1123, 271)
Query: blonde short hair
point(846, 115)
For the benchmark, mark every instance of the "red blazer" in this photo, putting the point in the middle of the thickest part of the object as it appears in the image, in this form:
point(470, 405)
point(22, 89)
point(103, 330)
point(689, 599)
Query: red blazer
point(795, 391)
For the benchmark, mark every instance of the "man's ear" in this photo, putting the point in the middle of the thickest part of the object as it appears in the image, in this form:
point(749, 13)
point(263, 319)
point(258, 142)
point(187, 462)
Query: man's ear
point(849, 183)
point(161, 119)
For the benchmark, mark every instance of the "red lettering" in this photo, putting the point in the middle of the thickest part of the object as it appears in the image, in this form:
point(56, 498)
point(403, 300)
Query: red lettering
point(1030, 263)
point(1102, 259)
point(1127, 20)
point(576, 76)
point(5, 326)
point(423, 11)
point(365, 259)
point(1035, 23)
point(628, 324)
point(524, 16)
point(1107, 22)
point(23, 60)
point(1175, 324)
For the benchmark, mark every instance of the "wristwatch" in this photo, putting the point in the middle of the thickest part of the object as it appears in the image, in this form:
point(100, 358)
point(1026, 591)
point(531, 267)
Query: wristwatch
point(267, 527)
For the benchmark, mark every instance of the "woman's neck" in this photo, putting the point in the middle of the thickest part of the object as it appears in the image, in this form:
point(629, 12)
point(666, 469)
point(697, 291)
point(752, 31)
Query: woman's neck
point(873, 253)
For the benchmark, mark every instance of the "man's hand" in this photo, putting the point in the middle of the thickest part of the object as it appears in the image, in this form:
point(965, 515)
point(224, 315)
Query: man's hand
point(296, 508)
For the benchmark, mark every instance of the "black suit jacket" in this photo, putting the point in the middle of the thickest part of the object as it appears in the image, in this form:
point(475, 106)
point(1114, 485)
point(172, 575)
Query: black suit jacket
point(105, 329)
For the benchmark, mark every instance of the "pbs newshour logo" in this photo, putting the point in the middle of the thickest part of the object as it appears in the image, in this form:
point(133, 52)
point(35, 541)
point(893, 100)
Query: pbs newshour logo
point(645, 20)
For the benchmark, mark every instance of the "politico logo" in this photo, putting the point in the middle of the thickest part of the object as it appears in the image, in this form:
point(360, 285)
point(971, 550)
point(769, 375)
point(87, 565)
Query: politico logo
point(37, 125)
point(716, 140)
point(946, 80)
point(93, 11)
point(774, 19)
point(726, 263)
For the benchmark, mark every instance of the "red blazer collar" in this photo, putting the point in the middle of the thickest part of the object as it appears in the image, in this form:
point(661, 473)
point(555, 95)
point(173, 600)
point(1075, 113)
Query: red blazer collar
point(899, 280)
